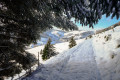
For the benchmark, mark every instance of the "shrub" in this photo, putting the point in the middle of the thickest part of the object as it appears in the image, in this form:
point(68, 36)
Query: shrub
point(72, 42)
point(107, 37)
point(90, 36)
point(118, 43)
point(118, 46)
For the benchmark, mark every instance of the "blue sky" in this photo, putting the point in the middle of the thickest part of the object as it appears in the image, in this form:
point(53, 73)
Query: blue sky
point(103, 23)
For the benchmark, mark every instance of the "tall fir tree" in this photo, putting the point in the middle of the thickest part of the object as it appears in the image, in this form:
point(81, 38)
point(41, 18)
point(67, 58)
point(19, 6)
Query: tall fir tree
point(48, 50)
point(72, 42)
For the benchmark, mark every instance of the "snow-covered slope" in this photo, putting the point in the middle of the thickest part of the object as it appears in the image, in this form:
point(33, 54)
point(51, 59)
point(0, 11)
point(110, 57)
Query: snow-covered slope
point(77, 63)
point(97, 58)
point(59, 47)
point(77, 35)
point(107, 49)
point(54, 34)
point(60, 36)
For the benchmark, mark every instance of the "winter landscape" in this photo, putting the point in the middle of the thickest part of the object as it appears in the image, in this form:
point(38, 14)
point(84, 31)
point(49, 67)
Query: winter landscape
point(59, 40)
point(99, 60)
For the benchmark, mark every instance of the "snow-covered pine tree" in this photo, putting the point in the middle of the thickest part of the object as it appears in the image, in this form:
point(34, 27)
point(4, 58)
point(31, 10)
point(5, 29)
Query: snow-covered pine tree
point(21, 22)
point(89, 12)
point(72, 42)
point(48, 50)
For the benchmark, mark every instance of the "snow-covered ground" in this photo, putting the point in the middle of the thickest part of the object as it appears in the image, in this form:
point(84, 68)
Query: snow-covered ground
point(97, 58)
point(107, 49)
point(60, 44)
point(77, 34)
point(77, 63)
point(60, 39)
point(59, 47)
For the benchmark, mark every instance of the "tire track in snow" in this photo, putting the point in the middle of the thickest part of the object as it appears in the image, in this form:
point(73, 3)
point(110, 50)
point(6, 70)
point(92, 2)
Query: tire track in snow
point(64, 65)
point(80, 69)
point(95, 75)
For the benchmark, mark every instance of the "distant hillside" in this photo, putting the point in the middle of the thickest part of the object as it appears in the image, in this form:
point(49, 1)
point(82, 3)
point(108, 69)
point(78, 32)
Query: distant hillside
point(108, 28)
point(59, 36)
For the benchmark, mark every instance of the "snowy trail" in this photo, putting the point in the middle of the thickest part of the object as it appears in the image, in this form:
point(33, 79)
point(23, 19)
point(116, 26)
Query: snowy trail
point(76, 64)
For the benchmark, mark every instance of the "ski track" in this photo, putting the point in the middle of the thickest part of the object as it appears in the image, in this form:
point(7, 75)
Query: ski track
point(79, 64)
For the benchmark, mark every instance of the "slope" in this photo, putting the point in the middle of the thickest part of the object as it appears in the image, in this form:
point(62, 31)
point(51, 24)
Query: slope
point(60, 36)
point(77, 63)
point(107, 49)
point(104, 47)
point(59, 47)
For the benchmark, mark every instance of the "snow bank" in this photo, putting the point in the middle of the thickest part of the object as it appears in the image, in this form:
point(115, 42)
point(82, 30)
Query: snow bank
point(107, 49)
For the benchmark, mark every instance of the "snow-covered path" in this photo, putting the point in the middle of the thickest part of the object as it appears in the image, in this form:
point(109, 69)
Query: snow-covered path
point(76, 64)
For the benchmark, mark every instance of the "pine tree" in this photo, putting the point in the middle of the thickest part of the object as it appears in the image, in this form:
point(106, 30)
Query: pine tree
point(89, 12)
point(21, 23)
point(72, 42)
point(48, 50)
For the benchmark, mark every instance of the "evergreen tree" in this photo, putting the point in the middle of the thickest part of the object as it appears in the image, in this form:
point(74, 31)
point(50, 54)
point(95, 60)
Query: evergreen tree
point(48, 50)
point(21, 22)
point(89, 12)
point(72, 42)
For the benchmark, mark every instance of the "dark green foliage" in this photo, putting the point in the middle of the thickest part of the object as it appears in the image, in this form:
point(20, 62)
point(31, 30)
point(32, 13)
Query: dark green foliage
point(90, 36)
point(12, 64)
point(118, 46)
point(107, 37)
point(72, 42)
point(21, 22)
point(112, 56)
point(48, 50)
point(89, 12)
